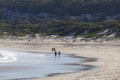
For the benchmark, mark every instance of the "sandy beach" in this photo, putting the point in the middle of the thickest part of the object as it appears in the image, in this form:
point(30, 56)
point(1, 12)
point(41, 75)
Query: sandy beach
point(107, 54)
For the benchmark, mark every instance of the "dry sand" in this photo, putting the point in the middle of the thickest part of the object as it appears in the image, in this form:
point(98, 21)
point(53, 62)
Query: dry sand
point(108, 55)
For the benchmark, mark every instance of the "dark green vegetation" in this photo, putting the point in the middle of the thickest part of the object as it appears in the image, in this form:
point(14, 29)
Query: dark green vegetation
point(61, 27)
point(63, 7)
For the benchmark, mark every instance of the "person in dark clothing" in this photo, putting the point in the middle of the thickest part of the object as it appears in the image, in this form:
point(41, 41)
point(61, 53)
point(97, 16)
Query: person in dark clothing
point(59, 53)
point(55, 53)
point(52, 49)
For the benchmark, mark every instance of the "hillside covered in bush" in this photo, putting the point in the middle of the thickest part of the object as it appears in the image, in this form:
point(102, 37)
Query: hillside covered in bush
point(62, 28)
point(63, 7)
point(21, 17)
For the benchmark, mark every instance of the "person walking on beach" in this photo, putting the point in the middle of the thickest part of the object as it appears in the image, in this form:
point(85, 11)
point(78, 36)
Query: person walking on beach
point(59, 53)
point(52, 49)
point(55, 53)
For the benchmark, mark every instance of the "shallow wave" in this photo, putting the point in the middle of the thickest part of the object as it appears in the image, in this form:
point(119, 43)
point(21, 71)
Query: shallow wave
point(6, 56)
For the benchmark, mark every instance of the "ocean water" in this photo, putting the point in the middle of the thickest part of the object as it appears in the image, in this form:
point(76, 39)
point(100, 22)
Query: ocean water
point(23, 64)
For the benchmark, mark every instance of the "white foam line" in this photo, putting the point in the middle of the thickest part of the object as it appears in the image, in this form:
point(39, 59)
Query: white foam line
point(7, 56)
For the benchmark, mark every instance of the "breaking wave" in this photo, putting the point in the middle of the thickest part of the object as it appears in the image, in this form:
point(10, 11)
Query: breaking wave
point(6, 56)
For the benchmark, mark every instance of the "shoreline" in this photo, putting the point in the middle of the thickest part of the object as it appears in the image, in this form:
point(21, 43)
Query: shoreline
point(78, 64)
point(106, 53)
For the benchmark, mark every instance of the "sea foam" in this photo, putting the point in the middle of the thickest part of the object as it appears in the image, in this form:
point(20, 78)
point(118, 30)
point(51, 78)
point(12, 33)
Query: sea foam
point(6, 56)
